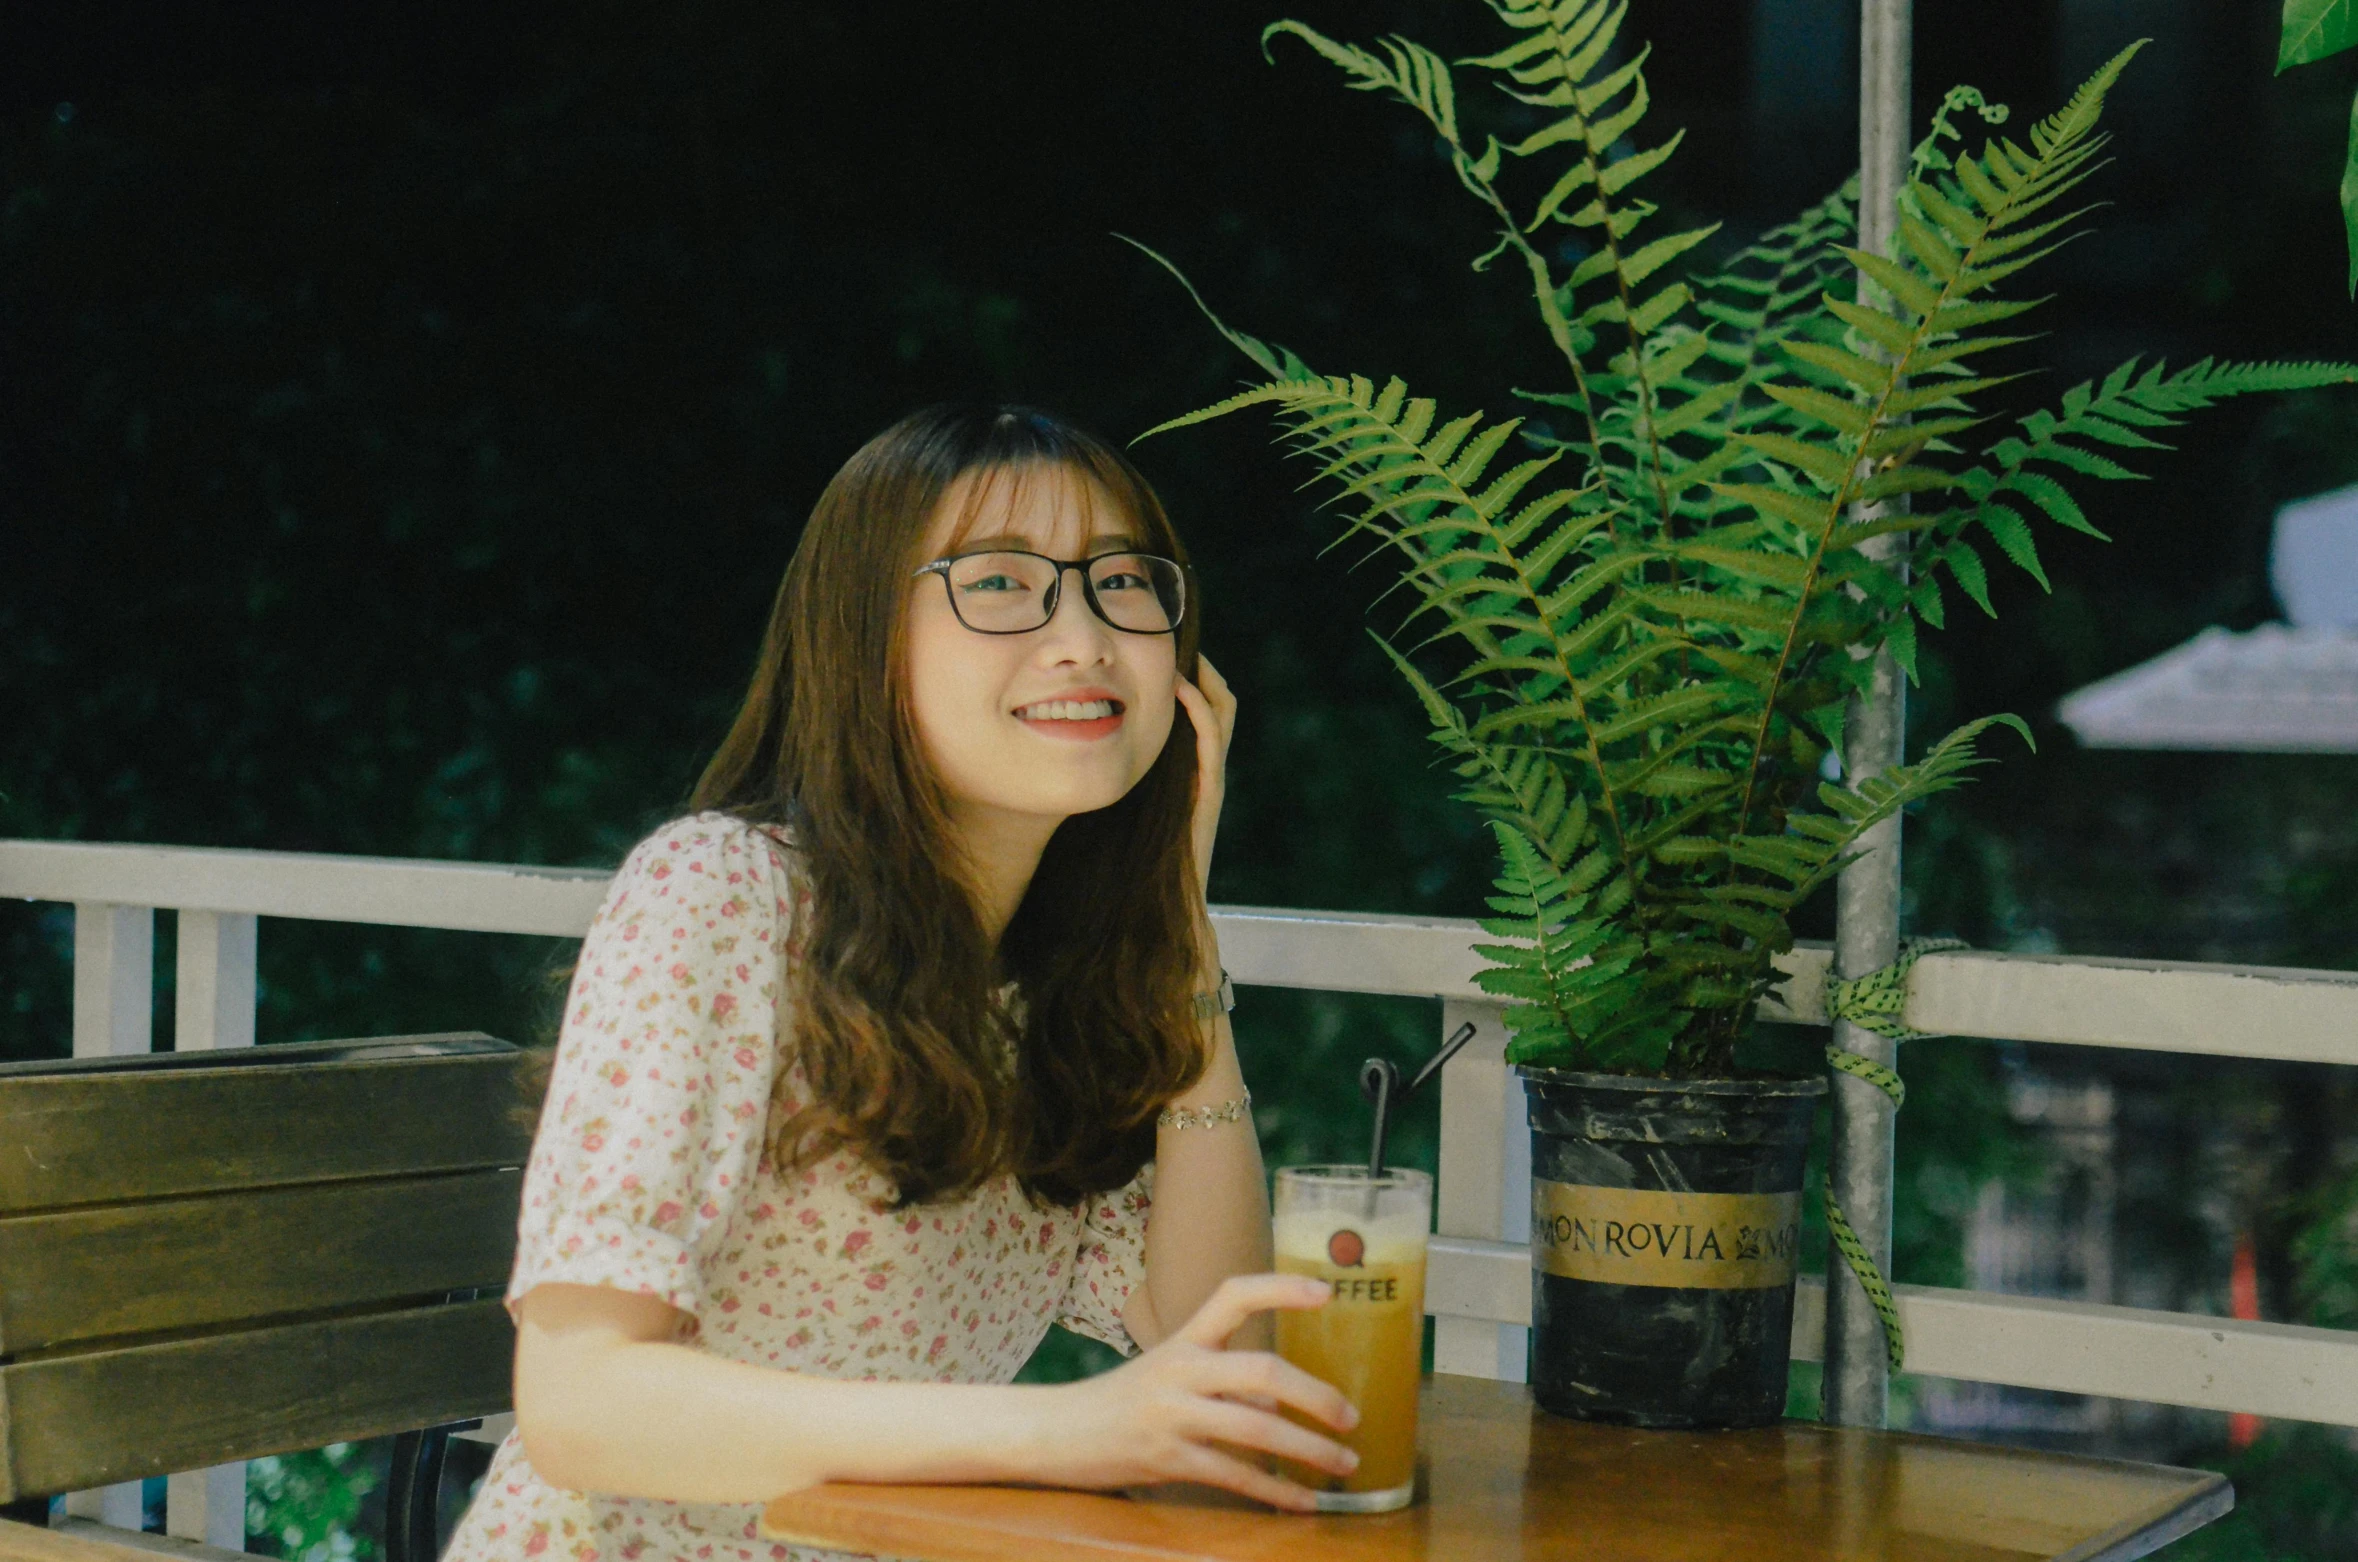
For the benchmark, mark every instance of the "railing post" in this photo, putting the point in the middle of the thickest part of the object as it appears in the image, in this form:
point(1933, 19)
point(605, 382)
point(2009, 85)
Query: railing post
point(208, 1505)
point(114, 979)
point(1484, 1183)
point(213, 993)
point(114, 999)
point(213, 1007)
point(1867, 896)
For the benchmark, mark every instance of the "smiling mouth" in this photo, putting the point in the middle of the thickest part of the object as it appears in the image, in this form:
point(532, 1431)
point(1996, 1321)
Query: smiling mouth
point(1069, 710)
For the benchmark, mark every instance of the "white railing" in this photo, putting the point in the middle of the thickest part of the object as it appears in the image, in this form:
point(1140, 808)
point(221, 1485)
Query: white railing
point(1480, 1277)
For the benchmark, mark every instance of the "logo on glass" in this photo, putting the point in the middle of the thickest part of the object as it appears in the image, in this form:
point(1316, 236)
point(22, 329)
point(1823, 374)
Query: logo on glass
point(1346, 1250)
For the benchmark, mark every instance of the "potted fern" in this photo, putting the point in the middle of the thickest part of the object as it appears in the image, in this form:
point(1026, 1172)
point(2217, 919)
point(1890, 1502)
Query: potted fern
point(1647, 603)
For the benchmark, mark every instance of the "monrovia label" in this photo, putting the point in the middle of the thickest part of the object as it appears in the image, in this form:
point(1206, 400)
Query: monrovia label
point(1645, 1236)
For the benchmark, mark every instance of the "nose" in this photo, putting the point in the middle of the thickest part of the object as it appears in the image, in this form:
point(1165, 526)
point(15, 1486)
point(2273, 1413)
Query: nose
point(1072, 632)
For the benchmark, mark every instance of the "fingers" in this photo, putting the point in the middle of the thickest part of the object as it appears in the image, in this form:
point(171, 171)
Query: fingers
point(1199, 709)
point(1214, 686)
point(1257, 1377)
point(1211, 1468)
point(1218, 696)
point(1218, 700)
point(1244, 1295)
point(1241, 1426)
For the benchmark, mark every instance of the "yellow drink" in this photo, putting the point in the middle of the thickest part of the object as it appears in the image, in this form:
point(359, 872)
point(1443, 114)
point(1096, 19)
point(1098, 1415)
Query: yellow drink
point(1367, 1341)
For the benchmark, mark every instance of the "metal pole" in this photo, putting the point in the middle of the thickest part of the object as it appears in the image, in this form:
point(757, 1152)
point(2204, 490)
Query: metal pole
point(1867, 896)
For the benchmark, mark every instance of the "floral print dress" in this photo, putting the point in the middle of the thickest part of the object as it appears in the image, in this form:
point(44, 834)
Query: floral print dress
point(648, 1175)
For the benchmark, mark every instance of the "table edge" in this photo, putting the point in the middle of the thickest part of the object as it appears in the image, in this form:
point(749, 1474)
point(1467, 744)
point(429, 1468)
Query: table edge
point(1145, 1553)
point(2134, 1538)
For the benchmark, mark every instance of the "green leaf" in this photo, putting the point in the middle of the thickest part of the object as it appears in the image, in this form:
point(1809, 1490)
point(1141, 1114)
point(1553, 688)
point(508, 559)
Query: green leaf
point(1837, 413)
point(1830, 467)
point(1806, 511)
point(2051, 496)
point(1784, 571)
point(1917, 296)
point(1876, 326)
point(1275, 362)
point(2314, 29)
point(1865, 373)
point(2350, 197)
point(1900, 635)
point(1965, 567)
point(1675, 706)
point(1575, 179)
point(1653, 257)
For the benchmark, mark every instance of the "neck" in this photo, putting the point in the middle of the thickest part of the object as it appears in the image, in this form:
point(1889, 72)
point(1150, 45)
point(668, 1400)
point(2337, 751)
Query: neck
point(1002, 852)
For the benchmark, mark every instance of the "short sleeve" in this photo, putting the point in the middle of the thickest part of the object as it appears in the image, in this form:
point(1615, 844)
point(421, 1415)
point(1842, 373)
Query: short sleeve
point(1111, 1263)
point(659, 1096)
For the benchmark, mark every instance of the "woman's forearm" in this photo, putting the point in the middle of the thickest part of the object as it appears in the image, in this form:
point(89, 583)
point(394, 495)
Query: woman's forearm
point(604, 1412)
point(1211, 1203)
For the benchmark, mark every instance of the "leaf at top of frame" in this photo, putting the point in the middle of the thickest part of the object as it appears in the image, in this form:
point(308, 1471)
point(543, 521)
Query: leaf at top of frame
point(2350, 197)
point(2314, 29)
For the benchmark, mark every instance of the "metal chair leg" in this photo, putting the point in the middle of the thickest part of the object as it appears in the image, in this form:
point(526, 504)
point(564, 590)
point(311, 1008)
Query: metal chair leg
point(413, 1497)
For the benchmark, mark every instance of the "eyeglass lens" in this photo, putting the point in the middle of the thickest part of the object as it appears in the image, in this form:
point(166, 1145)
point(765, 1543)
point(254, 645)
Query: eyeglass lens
point(1007, 593)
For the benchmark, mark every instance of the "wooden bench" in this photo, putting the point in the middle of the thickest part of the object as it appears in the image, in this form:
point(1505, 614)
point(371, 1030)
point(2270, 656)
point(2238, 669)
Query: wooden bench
point(208, 1257)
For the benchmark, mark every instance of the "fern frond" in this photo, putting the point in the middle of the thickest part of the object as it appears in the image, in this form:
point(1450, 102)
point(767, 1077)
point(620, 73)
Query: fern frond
point(1571, 975)
point(1519, 787)
point(2009, 486)
point(1563, 64)
point(1814, 849)
point(1277, 362)
point(1978, 231)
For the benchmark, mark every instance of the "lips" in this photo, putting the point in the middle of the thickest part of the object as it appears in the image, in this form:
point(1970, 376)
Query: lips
point(1069, 710)
point(1084, 713)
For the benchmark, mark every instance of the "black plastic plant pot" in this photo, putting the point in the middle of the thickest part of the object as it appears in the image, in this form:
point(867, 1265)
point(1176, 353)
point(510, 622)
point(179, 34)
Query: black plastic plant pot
point(1665, 1218)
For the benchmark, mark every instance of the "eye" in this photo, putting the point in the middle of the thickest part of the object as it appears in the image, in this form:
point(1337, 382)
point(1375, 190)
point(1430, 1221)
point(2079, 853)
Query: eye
point(1121, 580)
point(993, 582)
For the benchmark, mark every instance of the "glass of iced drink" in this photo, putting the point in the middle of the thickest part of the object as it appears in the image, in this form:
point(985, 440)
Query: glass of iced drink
point(1365, 1236)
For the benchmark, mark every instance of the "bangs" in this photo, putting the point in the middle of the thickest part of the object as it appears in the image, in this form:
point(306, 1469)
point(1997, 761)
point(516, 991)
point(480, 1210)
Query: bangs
point(1100, 507)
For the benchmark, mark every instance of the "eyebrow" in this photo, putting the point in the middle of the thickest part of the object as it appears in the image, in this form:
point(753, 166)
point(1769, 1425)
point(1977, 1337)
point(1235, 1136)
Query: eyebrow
point(1006, 542)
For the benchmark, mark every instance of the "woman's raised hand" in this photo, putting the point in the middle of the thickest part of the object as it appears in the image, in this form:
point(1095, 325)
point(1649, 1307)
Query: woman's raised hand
point(1183, 1410)
point(1211, 708)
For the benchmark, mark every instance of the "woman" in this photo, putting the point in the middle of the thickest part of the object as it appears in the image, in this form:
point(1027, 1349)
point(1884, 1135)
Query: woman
point(907, 1044)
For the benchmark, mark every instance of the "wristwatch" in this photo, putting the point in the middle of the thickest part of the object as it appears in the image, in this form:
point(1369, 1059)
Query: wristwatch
point(1222, 1000)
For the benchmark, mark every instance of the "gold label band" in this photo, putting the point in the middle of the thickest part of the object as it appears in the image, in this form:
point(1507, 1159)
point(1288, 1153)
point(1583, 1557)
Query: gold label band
point(1645, 1236)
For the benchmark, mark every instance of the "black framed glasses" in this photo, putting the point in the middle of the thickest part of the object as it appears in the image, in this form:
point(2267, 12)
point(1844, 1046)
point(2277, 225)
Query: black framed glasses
point(1004, 592)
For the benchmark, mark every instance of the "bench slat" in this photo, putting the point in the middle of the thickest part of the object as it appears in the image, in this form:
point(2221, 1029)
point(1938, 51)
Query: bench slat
point(174, 1264)
point(103, 1130)
point(97, 1417)
point(80, 1540)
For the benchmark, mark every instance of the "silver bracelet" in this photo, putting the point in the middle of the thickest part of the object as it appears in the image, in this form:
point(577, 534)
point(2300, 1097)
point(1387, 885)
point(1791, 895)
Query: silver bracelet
point(1204, 1116)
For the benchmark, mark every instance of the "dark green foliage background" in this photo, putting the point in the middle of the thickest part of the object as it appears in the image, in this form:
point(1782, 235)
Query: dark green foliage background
point(406, 413)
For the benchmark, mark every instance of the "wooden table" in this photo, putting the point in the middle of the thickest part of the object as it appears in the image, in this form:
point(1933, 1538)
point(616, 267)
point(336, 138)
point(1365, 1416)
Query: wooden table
point(1504, 1481)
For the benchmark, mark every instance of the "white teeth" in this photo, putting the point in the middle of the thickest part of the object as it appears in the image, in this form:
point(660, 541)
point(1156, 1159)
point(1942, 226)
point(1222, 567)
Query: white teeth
point(1067, 710)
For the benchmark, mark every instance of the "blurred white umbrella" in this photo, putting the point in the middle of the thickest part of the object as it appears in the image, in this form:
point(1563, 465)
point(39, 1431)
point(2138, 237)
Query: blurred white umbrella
point(2287, 688)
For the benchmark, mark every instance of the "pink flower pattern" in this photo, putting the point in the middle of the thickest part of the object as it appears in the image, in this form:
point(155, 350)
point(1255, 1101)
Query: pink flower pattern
point(648, 1175)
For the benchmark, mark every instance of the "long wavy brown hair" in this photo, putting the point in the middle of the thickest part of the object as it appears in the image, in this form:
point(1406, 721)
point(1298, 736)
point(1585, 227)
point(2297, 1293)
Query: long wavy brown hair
point(913, 1058)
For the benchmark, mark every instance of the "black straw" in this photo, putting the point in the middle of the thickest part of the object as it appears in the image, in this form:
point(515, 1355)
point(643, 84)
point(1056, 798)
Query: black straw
point(1378, 1078)
point(1379, 1081)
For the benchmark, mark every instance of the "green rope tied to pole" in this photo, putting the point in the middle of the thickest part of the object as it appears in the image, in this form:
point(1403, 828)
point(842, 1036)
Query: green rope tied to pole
point(1875, 1002)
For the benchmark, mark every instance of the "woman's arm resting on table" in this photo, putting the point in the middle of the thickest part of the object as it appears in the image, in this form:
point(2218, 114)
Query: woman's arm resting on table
point(608, 1401)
